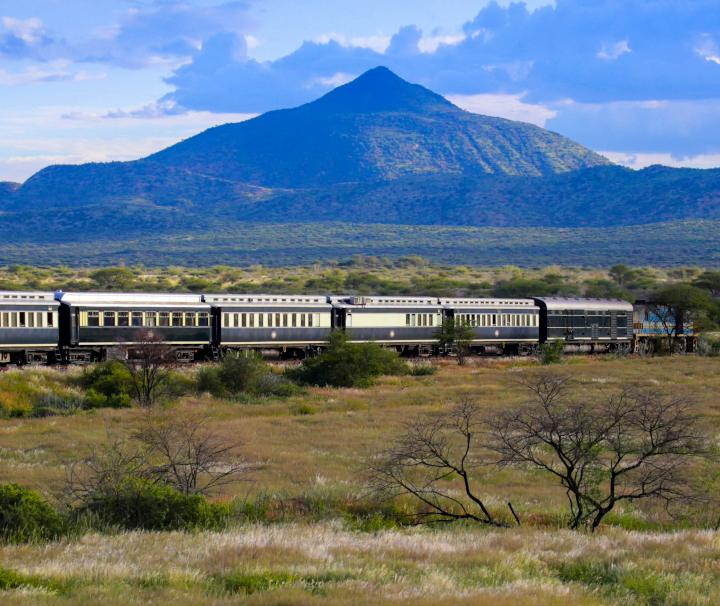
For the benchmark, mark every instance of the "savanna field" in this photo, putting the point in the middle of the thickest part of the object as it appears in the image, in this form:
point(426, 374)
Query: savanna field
point(303, 528)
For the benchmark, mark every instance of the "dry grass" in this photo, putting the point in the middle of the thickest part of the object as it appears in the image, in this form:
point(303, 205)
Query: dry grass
point(326, 562)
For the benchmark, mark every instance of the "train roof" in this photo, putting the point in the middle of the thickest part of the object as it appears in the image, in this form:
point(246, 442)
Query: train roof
point(117, 299)
point(253, 299)
point(383, 301)
point(26, 297)
point(487, 302)
point(584, 304)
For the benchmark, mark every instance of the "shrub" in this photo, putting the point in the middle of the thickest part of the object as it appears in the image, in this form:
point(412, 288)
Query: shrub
point(26, 516)
point(709, 346)
point(139, 504)
point(423, 369)
point(552, 352)
point(237, 375)
point(107, 385)
point(345, 364)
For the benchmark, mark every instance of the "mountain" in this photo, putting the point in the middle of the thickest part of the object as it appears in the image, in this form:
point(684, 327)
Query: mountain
point(377, 127)
point(376, 150)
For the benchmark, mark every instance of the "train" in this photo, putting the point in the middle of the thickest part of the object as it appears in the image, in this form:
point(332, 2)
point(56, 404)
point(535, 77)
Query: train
point(85, 327)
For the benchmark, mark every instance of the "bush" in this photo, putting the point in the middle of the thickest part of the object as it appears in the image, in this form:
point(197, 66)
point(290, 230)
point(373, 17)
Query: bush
point(423, 369)
point(345, 364)
point(237, 375)
point(26, 516)
point(107, 385)
point(708, 346)
point(139, 504)
point(552, 352)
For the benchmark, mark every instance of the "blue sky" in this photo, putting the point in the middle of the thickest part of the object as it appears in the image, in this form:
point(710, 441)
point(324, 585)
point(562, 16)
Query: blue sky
point(638, 80)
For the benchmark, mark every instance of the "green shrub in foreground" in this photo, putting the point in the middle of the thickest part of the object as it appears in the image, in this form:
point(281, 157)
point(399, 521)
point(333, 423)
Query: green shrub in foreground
point(139, 504)
point(238, 374)
point(345, 364)
point(26, 516)
point(552, 352)
point(107, 385)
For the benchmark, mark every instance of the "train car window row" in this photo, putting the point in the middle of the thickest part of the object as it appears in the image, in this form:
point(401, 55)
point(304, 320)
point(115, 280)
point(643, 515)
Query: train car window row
point(28, 319)
point(271, 320)
point(497, 320)
point(420, 320)
point(143, 319)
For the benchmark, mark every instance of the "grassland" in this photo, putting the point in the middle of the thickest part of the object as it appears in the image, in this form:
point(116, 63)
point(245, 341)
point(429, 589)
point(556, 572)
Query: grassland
point(245, 244)
point(291, 543)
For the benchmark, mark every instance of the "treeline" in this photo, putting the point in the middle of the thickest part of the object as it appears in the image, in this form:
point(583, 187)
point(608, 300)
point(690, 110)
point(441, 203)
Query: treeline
point(367, 275)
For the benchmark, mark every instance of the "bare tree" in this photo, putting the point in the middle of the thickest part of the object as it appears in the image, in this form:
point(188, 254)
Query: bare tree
point(184, 452)
point(149, 361)
point(104, 470)
point(426, 458)
point(632, 445)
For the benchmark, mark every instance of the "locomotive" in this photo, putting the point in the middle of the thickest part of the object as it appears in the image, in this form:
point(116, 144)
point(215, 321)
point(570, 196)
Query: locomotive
point(64, 328)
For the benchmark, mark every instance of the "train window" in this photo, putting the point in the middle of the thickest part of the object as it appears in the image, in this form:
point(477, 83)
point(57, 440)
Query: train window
point(226, 320)
point(310, 320)
point(277, 320)
point(190, 319)
point(137, 318)
point(251, 318)
point(243, 320)
point(270, 320)
point(108, 318)
point(21, 319)
point(407, 319)
point(164, 318)
point(50, 319)
point(302, 320)
point(13, 319)
point(294, 320)
point(123, 318)
point(261, 318)
point(31, 319)
point(285, 320)
point(93, 318)
point(203, 319)
point(150, 318)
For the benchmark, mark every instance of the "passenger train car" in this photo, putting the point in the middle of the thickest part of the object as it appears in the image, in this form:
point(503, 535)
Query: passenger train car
point(60, 327)
point(499, 325)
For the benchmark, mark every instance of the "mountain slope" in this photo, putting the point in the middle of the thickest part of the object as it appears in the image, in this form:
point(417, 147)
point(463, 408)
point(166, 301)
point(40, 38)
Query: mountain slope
point(377, 127)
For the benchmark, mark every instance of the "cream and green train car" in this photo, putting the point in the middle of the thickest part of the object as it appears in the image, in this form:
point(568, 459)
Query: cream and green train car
point(410, 324)
point(499, 325)
point(29, 328)
point(293, 325)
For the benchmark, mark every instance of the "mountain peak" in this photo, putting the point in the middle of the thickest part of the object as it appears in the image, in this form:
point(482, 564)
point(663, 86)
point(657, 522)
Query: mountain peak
point(381, 90)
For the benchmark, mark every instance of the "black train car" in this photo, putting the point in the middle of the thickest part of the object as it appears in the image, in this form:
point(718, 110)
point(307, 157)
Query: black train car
point(93, 323)
point(586, 324)
point(29, 327)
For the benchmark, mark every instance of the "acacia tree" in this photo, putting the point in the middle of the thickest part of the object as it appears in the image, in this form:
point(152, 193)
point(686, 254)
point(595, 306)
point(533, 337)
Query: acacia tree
point(457, 336)
point(630, 446)
point(424, 461)
point(674, 306)
point(184, 452)
point(149, 361)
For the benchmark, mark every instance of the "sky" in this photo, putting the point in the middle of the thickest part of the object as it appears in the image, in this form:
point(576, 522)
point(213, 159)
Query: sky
point(100, 80)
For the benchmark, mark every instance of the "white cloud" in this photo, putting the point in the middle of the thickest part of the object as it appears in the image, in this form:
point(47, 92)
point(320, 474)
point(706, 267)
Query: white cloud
point(335, 80)
point(643, 160)
point(610, 52)
point(708, 49)
point(430, 44)
point(29, 31)
point(511, 107)
point(55, 72)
